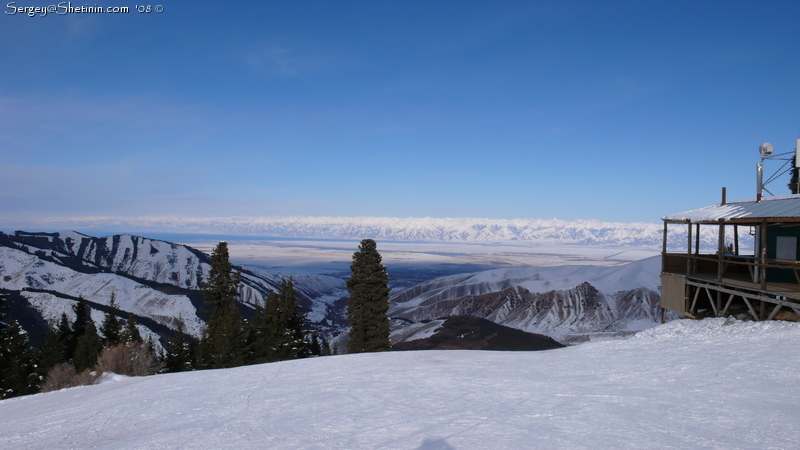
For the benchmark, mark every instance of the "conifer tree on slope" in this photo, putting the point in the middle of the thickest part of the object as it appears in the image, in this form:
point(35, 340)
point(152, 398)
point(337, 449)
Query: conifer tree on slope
point(88, 348)
point(222, 344)
point(54, 349)
point(130, 333)
point(78, 327)
point(18, 375)
point(369, 301)
point(290, 321)
point(177, 359)
point(275, 333)
point(111, 326)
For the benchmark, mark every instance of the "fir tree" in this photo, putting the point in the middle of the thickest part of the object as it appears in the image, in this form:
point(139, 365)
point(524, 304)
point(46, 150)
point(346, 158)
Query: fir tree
point(88, 348)
point(3, 315)
point(369, 301)
point(257, 332)
point(794, 181)
point(111, 328)
point(63, 333)
point(223, 342)
point(314, 346)
point(52, 351)
point(18, 374)
point(78, 328)
point(177, 359)
point(275, 333)
point(131, 333)
point(290, 322)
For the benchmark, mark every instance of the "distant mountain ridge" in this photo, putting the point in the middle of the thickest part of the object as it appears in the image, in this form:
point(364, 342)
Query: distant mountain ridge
point(562, 302)
point(44, 273)
point(537, 231)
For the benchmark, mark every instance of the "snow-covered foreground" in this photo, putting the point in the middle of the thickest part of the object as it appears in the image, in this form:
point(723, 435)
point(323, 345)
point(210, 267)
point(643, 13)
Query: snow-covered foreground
point(682, 385)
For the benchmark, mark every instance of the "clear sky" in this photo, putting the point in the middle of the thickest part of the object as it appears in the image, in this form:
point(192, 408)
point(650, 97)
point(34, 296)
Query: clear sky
point(611, 110)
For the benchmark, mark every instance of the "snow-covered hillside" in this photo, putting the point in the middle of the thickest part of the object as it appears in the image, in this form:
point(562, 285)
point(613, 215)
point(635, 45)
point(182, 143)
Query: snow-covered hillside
point(51, 270)
point(712, 384)
point(539, 231)
point(34, 277)
point(556, 301)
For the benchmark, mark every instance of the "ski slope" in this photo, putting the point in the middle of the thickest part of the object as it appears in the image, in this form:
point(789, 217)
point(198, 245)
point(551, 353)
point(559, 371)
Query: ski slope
point(706, 384)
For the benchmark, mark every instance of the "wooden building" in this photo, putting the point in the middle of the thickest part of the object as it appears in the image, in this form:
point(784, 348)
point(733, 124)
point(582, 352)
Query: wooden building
point(762, 280)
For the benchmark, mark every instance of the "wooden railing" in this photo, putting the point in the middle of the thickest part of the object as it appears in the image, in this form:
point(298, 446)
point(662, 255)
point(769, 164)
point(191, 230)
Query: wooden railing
point(683, 264)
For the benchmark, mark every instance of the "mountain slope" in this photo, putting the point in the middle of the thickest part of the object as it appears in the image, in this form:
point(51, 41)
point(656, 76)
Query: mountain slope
point(158, 281)
point(667, 388)
point(555, 301)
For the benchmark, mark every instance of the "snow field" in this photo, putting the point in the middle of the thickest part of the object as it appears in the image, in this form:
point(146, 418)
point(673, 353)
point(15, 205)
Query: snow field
point(686, 384)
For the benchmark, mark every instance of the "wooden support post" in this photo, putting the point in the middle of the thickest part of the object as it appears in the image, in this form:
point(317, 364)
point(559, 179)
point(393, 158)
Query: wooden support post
point(721, 250)
point(689, 249)
point(664, 250)
point(736, 239)
point(696, 246)
point(697, 239)
point(763, 254)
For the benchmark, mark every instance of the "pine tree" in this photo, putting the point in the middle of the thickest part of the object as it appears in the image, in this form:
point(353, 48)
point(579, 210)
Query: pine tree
point(52, 351)
point(369, 301)
point(131, 333)
point(275, 333)
point(78, 328)
point(290, 322)
point(3, 315)
point(88, 348)
point(794, 181)
point(18, 374)
point(111, 328)
point(223, 342)
point(63, 332)
point(314, 346)
point(177, 359)
point(257, 335)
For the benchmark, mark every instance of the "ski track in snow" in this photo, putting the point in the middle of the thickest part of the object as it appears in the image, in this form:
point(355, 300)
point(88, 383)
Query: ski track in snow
point(686, 384)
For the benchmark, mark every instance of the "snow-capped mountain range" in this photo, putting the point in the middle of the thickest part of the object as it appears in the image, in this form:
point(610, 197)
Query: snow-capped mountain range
point(556, 301)
point(536, 231)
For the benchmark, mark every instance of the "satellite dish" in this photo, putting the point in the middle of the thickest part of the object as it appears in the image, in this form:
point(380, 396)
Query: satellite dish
point(765, 149)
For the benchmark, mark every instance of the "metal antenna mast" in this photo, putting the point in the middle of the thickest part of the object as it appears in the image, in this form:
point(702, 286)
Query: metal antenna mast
point(766, 149)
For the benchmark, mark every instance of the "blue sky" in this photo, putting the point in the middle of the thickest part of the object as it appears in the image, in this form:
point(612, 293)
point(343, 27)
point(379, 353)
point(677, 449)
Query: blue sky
point(611, 110)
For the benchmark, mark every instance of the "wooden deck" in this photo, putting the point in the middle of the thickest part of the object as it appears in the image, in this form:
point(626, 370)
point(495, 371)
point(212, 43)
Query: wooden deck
point(774, 288)
point(720, 295)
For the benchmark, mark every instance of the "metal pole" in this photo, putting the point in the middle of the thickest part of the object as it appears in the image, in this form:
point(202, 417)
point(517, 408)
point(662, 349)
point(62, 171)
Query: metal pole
point(759, 177)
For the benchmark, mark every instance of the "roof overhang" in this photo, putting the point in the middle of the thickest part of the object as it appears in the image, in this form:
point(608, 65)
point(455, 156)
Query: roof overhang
point(773, 209)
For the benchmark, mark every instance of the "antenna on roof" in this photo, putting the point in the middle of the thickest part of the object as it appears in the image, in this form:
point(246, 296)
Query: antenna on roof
point(767, 153)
